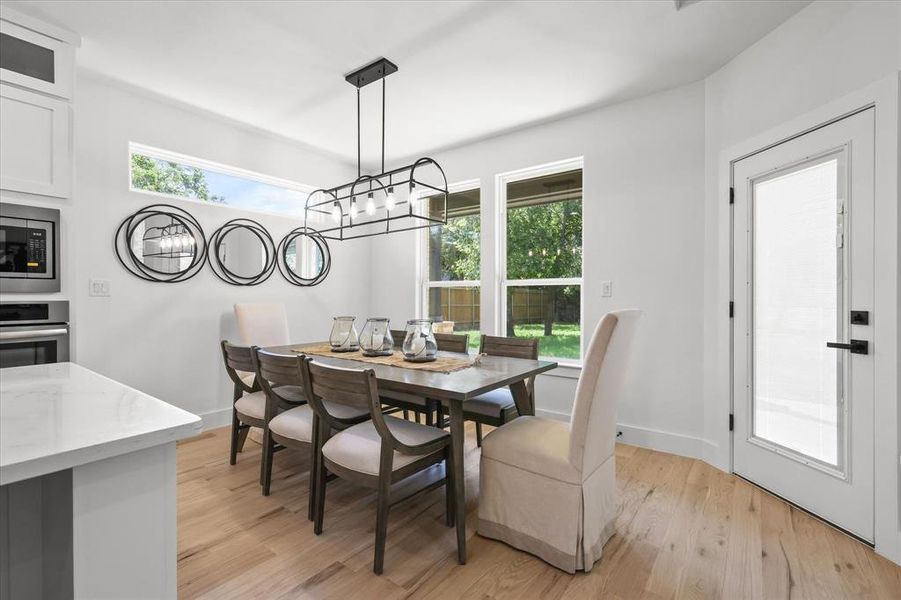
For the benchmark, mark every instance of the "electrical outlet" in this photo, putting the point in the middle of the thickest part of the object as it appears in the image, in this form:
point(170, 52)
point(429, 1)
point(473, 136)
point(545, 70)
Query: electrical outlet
point(606, 289)
point(98, 287)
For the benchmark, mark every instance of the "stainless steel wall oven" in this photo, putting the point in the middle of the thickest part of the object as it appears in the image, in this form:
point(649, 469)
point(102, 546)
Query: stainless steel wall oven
point(34, 333)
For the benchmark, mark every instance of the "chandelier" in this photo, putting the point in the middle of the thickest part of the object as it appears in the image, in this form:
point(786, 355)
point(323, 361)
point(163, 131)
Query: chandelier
point(402, 199)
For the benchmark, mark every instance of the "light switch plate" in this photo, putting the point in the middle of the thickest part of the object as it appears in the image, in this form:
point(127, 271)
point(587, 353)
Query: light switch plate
point(606, 289)
point(98, 287)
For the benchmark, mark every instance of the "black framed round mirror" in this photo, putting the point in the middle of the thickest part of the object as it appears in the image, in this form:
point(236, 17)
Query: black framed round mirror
point(304, 257)
point(161, 243)
point(242, 252)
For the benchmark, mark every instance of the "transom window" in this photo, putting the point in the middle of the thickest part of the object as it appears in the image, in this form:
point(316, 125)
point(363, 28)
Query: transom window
point(170, 174)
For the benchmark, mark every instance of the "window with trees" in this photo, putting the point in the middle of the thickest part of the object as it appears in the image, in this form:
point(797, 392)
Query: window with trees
point(541, 269)
point(163, 172)
point(452, 264)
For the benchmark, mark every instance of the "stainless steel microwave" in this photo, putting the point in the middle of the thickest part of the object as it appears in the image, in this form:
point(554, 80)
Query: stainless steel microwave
point(29, 248)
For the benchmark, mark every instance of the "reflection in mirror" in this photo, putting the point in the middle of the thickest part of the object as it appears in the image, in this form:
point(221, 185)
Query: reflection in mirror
point(163, 244)
point(242, 252)
point(307, 262)
point(303, 257)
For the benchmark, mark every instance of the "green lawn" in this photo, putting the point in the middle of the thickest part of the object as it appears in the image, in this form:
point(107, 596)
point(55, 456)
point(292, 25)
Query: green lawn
point(562, 343)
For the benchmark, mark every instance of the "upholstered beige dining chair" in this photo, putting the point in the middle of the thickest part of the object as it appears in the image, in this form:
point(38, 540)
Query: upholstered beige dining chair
point(261, 324)
point(548, 487)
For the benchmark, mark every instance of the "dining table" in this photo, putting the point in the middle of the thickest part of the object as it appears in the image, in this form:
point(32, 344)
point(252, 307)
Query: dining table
point(453, 389)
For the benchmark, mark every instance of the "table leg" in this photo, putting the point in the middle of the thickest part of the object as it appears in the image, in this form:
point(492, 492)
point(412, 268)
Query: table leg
point(456, 432)
point(522, 398)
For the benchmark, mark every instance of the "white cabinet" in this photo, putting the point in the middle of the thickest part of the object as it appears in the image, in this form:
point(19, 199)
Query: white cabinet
point(35, 61)
point(34, 143)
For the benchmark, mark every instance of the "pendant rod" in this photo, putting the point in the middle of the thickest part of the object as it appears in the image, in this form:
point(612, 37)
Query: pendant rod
point(358, 133)
point(383, 125)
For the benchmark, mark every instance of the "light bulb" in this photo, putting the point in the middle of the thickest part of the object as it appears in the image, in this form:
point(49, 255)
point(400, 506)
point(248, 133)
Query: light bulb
point(176, 242)
point(165, 243)
point(336, 213)
point(414, 193)
point(353, 208)
point(370, 205)
point(389, 201)
point(191, 240)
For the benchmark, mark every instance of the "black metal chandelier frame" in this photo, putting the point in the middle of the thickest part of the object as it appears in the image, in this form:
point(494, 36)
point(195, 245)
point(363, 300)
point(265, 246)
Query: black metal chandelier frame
point(341, 202)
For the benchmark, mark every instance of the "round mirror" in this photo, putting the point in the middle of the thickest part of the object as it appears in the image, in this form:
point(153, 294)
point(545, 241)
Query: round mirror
point(304, 257)
point(242, 252)
point(161, 243)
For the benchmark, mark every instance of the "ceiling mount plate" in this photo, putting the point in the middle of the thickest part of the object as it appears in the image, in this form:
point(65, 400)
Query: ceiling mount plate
point(372, 72)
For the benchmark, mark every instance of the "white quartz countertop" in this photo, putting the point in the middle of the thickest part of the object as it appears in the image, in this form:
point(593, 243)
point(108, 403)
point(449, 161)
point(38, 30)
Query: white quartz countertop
point(59, 416)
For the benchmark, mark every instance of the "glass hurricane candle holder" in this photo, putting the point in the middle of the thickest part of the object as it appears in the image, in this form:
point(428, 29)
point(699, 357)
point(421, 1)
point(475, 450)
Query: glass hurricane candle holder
point(419, 343)
point(344, 335)
point(375, 338)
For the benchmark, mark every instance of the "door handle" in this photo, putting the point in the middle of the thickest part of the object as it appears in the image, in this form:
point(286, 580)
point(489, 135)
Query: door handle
point(855, 346)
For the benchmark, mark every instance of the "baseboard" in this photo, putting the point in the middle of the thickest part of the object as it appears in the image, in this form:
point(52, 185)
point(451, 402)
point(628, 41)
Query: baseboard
point(674, 443)
point(216, 418)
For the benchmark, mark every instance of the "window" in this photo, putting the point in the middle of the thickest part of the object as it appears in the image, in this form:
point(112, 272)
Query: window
point(541, 257)
point(162, 172)
point(451, 266)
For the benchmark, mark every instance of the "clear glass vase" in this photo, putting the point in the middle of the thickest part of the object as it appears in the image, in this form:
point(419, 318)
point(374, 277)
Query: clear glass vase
point(344, 335)
point(419, 343)
point(375, 338)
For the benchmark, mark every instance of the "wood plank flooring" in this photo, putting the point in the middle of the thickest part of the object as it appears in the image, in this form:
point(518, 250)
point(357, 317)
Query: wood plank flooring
point(686, 530)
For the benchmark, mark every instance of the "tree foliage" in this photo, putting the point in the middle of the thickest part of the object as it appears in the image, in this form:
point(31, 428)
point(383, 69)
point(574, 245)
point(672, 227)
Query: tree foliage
point(543, 241)
point(165, 177)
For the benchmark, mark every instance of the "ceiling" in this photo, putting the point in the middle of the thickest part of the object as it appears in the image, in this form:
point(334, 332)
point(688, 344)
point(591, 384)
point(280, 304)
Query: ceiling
point(467, 70)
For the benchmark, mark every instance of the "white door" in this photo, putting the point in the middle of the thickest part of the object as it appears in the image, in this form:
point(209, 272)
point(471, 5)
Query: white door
point(802, 274)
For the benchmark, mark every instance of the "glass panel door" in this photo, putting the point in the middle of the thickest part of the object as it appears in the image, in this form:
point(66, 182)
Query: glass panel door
point(797, 303)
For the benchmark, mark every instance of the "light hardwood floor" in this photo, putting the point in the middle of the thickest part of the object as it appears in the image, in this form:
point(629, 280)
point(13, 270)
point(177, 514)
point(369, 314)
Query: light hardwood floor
point(686, 530)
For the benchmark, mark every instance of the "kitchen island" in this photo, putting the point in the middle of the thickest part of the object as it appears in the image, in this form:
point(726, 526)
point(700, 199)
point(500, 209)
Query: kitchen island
point(87, 486)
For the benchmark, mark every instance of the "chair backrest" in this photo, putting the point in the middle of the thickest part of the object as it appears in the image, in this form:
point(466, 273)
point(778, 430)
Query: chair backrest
point(262, 323)
point(452, 342)
point(275, 370)
point(351, 387)
point(238, 362)
point(511, 347)
point(593, 423)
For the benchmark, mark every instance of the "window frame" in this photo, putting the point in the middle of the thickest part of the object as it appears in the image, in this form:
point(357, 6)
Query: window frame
point(208, 165)
point(502, 283)
point(423, 281)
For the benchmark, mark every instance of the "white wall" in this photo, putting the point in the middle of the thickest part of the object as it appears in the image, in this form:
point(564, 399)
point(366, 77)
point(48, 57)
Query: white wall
point(643, 230)
point(821, 55)
point(163, 338)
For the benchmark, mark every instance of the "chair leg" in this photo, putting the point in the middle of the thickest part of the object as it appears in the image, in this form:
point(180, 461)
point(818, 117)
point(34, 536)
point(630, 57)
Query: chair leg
point(314, 470)
point(319, 512)
point(233, 453)
point(266, 466)
point(448, 488)
point(242, 437)
point(478, 434)
point(384, 504)
point(406, 415)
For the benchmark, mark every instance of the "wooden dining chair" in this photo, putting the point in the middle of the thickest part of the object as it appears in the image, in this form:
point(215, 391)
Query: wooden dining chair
point(497, 407)
point(447, 342)
point(248, 399)
point(289, 420)
point(376, 453)
point(549, 487)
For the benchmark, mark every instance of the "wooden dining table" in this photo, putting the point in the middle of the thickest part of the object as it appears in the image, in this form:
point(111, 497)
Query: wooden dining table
point(452, 390)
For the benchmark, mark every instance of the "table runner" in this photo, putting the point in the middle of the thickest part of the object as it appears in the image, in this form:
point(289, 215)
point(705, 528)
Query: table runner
point(445, 363)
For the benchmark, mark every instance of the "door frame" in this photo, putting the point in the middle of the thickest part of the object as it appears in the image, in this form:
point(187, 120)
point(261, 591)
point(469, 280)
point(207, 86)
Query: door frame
point(884, 96)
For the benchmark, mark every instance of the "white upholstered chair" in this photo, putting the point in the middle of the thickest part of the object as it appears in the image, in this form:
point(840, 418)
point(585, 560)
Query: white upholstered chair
point(548, 487)
point(261, 324)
